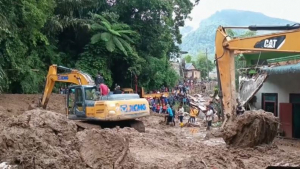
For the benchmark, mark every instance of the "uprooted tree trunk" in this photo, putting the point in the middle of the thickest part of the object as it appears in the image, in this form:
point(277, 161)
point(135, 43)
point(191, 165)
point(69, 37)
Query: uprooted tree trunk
point(250, 129)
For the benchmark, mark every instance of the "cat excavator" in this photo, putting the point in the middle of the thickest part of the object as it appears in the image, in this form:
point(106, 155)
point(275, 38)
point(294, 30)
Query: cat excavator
point(84, 102)
point(286, 39)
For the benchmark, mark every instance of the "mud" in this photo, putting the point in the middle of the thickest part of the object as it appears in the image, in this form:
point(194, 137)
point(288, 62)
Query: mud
point(16, 104)
point(44, 139)
point(251, 129)
point(103, 149)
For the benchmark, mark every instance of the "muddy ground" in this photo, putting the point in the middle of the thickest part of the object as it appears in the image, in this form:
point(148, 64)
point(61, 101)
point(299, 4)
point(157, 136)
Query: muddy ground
point(44, 139)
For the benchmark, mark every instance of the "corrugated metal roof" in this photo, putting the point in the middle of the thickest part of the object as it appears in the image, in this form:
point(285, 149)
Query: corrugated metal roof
point(283, 69)
point(189, 66)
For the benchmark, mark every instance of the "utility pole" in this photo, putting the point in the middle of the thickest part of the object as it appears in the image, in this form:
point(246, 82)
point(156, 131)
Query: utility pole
point(206, 63)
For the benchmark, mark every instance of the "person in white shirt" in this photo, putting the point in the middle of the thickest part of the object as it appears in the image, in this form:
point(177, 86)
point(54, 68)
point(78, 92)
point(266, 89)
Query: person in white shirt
point(209, 116)
point(180, 113)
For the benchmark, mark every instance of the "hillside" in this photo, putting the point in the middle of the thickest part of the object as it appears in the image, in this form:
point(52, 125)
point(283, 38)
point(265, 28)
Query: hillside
point(186, 30)
point(204, 36)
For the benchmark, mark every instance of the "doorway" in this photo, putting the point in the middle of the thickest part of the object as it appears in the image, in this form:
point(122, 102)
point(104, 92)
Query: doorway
point(270, 102)
point(295, 100)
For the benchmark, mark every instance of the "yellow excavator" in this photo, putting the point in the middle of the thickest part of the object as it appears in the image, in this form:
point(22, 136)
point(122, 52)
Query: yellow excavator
point(284, 41)
point(258, 129)
point(84, 102)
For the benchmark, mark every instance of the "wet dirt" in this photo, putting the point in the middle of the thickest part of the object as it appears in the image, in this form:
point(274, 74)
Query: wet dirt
point(44, 139)
point(16, 104)
point(251, 129)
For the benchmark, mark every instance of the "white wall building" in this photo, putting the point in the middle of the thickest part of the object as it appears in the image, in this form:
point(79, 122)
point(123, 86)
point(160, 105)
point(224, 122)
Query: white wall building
point(280, 94)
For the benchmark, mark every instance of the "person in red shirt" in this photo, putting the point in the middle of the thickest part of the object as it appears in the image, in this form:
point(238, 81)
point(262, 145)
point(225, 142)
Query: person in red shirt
point(104, 89)
point(157, 108)
point(164, 108)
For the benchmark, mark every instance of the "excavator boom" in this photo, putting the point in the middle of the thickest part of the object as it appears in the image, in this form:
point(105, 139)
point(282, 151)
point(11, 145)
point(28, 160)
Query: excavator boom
point(67, 76)
point(285, 41)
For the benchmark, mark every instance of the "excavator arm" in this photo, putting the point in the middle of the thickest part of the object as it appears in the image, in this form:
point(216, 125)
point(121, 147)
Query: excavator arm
point(67, 76)
point(285, 41)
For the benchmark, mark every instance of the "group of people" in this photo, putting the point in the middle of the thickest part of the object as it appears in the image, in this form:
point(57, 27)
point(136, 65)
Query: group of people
point(166, 105)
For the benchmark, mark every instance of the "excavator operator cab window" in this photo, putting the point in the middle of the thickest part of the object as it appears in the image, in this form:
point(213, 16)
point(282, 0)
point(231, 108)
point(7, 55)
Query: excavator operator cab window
point(78, 95)
point(91, 94)
point(71, 98)
point(79, 108)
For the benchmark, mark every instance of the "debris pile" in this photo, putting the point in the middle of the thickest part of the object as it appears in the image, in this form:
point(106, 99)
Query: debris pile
point(199, 100)
point(44, 139)
point(251, 129)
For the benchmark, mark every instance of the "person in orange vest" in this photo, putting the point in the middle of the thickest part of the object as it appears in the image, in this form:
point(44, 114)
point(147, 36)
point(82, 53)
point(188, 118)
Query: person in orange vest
point(193, 113)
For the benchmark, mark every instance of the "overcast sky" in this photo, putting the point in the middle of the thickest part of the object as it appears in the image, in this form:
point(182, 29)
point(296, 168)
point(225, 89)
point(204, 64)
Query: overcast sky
point(285, 9)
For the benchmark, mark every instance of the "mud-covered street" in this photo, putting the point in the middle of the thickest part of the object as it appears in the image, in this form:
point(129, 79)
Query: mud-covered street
point(46, 139)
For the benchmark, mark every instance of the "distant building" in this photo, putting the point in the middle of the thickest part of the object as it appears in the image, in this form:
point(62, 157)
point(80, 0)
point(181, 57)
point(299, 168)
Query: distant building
point(190, 72)
point(178, 64)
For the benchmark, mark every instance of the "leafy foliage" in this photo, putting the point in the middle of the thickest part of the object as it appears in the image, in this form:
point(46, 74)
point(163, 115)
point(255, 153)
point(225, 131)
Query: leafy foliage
point(161, 73)
point(2, 79)
point(117, 38)
point(238, 61)
point(204, 65)
point(114, 35)
point(188, 59)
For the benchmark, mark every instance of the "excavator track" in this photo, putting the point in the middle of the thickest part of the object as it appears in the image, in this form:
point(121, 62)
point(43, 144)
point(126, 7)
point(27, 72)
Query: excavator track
point(136, 124)
point(85, 125)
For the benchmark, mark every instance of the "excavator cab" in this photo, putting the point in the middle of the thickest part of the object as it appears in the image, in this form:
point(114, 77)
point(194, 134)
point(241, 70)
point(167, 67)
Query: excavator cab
point(79, 97)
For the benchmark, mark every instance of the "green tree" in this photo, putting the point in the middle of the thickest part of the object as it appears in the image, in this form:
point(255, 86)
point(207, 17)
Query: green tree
point(23, 43)
point(113, 34)
point(230, 32)
point(248, 34)
point(238, 61)
point(134, 36)
point(2, 79)
point(188, 59)
point(161, 73)
point(244, 34)
point(204, 65)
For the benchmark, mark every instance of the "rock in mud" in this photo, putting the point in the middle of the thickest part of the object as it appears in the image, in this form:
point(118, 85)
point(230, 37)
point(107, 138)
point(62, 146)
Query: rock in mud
point(104, 149)
point(251, 129)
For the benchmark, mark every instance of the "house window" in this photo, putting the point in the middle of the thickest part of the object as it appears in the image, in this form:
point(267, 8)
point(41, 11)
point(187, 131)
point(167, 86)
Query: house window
point(270, 102)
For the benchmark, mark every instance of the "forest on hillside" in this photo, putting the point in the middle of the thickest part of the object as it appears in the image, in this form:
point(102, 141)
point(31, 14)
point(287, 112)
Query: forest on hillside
point(114, 37)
